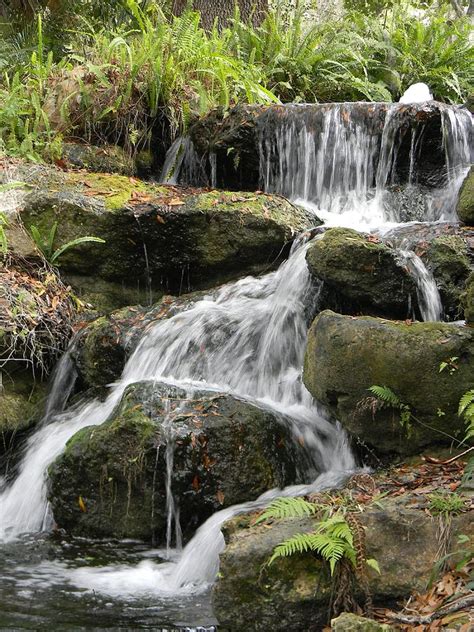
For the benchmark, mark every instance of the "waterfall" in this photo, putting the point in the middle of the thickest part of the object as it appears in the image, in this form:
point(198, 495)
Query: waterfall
point(247, 339)
point(429, 300)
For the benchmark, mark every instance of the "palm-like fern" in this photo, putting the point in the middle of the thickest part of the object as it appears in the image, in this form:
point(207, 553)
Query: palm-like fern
point(466, 410)
point(387, 397)
point(288, 508)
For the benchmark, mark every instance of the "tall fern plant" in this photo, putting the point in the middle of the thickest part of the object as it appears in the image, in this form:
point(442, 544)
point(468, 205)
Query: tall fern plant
point(466, 410)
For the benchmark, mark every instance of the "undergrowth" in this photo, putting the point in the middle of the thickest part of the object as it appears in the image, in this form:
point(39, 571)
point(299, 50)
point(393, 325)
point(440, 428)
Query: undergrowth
point(119, 76)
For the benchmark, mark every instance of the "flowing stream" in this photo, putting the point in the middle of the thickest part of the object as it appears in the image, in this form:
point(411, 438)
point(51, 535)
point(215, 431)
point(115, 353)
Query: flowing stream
point(246, 338)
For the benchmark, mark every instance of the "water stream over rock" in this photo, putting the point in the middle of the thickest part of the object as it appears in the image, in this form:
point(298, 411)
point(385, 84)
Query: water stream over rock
point(247, 338)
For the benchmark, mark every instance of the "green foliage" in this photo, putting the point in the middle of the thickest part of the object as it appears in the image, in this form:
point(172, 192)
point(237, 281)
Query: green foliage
point(46, 243)
point(446, 504)
point(115, 70)
point(466, 410)
point(332, 538)
point(449, 365)
point(287, 508)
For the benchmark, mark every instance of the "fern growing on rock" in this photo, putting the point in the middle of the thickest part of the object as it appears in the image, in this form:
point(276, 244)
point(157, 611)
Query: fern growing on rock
point(338, 538)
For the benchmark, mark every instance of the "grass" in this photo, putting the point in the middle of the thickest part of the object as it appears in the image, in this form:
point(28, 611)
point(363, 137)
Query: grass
point(125, 81)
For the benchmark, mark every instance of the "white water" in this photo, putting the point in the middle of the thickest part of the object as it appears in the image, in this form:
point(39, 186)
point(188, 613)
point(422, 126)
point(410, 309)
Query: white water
point(416, 93)
point(429, 300)
point(249, 340)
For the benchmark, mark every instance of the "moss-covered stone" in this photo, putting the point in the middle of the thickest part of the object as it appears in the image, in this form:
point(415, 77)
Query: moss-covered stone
point(348, 622)
point(106, 159)
point(294, 593)
point(468, 299)
point(345, 356)
point(162, 238)
point(360, 274)
point(21, 399)
point(119, 468)
point(106, 343)
point(465, 206)
point(447, 256)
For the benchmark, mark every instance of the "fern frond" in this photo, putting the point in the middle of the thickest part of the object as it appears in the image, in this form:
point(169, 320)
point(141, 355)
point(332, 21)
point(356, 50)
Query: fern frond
point(299, 543)
point(287, 508)
point(386, 395)
point(466, 400)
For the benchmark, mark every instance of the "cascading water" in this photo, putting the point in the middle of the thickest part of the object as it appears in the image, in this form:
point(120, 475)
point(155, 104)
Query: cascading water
point(247, 339)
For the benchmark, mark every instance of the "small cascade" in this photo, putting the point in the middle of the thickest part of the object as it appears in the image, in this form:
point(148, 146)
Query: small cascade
point(429, 300)
point(351, 169)
point(247, 339)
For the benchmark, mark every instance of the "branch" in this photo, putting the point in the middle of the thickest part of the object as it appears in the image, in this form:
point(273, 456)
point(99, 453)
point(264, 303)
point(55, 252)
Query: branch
point(463, 602)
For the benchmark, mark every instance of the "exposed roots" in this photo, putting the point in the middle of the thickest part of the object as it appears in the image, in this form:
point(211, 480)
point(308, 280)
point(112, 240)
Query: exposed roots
point(36, 314)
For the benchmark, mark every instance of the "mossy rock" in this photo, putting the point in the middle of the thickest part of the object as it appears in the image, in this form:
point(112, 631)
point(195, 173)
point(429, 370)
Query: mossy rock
point(119, 468)
point(294, 593)
point(465, 206)
point(105, 159)
point(448, 259)
point(349, 622)
point(163, 239)
point(360, 275)
point(21, 401)
point(345, 356)
point(468, 299)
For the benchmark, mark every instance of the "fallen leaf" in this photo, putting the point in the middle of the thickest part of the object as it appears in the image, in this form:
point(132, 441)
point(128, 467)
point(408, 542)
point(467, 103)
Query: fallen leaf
point(82, 505)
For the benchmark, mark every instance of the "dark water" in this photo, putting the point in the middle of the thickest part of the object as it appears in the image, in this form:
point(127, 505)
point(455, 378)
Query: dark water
point(37, 590)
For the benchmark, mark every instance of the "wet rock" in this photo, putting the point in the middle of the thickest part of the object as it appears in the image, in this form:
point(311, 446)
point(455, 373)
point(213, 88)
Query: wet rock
point(161, 239)
point(448, 260)
point(119, 469)
point(361, 275)
point(348, 622)
point(345, 356)
point(294, 593)
point(107, 342)
point(106, 159)
point(469, 301)
point(465, 206)
point(21, 399)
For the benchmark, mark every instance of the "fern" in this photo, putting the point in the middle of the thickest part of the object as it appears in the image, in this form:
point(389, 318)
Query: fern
point(288, 508)
point(385, 395)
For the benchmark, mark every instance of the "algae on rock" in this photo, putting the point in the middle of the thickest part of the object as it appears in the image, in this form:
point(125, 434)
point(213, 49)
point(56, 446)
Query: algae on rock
point(345, 356)
point(119, 468)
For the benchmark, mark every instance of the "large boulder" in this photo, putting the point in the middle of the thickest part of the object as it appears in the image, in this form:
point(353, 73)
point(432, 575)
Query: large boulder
point(345, 356)
point(119, 469)
point(361, 274)
point(465, 206)
point(160, 238)
point(21, 399)
point(294, 593)
point(469, 301)
point(105, 159)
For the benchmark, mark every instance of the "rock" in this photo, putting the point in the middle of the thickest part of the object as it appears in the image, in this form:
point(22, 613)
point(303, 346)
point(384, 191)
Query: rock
point(294, 593)
point(449, 263)
point(345, 356)
point(469, 301)
point(106, 159)
point(361, 275)
point(465, 206)
point(161, 239)
point(119, 468)
point(21, 399)
point(106, 343)
point(348, 622)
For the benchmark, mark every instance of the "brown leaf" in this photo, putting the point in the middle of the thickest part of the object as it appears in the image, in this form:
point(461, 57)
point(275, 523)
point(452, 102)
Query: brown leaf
point(82, 505)
point(220, 496)
point(196, 483)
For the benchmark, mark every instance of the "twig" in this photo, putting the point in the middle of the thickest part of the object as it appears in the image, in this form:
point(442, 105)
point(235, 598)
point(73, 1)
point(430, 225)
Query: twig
point(430, 459)
point(464, 602)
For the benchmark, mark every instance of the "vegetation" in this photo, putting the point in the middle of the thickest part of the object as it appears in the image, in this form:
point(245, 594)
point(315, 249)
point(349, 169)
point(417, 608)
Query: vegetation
point(120, 71)
point(45, 243)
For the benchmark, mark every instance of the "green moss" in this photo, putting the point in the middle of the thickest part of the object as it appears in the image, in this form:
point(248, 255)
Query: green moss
point(116, 191)
point(465, 207)
point(21, 399)
point(449, 261)
point(468, 299)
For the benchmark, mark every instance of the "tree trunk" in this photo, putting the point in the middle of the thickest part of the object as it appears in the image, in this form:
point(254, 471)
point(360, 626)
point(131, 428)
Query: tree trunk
point(251, 11)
